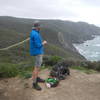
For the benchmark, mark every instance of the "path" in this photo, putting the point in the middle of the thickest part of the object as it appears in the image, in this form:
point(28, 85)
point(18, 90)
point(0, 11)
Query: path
point(78, 86)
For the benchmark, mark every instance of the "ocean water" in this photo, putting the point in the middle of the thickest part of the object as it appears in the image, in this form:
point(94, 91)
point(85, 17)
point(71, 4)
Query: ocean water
point(90, 49)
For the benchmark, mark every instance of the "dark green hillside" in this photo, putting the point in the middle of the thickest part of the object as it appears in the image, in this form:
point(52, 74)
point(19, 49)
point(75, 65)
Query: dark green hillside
point(9, 37)
point(17, 24)
point(59, 34)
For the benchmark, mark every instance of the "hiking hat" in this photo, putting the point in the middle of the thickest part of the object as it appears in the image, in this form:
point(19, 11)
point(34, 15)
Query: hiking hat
point(36, 24)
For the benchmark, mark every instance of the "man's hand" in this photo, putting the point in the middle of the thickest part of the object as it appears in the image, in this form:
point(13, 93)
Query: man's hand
point(44, 42)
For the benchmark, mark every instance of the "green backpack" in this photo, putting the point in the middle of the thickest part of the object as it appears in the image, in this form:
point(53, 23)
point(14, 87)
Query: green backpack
point(51, 82)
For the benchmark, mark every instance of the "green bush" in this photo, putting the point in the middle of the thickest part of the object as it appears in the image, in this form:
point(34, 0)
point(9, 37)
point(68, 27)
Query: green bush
point(25, 74)
point(91, 65)
point(83, 69)
point(8, 70)
point(51, 60)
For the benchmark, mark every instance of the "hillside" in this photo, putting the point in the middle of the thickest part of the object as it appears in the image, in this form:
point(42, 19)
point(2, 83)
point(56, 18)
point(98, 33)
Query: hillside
point(60, 34)
point(78, 86)
point(9, 37)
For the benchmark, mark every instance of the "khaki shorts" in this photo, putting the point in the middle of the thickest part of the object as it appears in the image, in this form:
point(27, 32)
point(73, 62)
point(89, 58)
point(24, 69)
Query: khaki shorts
point(38, 60)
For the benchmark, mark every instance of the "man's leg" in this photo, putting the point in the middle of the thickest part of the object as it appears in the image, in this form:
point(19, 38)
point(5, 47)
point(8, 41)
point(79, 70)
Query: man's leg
point(38, 62)
point(35, 74)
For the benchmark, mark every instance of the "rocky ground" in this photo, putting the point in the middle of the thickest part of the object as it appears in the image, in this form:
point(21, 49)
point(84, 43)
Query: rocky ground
point(78, 86)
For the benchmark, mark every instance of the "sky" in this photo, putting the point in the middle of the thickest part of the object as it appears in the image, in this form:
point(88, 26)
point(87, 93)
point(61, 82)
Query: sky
point(73, 10)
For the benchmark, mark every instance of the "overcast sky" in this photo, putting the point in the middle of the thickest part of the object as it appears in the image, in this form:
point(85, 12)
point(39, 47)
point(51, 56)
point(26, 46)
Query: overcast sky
point(74, 10)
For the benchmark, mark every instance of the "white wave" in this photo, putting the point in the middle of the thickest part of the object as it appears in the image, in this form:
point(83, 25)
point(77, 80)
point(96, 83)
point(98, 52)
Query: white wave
point(98, 45)
point(93, 56)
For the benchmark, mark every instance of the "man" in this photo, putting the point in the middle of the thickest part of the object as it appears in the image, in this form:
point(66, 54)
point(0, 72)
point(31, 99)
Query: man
point(36, 50)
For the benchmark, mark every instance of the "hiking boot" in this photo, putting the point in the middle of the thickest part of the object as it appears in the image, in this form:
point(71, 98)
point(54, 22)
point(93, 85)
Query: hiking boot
point(37, 87)
point(40, 80)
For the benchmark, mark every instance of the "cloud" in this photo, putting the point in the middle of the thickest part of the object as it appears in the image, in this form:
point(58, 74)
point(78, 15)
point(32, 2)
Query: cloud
point(75, 10)
point(36, 8)
point(92, 3)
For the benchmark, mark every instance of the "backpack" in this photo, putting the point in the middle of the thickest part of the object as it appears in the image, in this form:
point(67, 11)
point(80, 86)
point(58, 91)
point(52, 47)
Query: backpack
point(60, 71)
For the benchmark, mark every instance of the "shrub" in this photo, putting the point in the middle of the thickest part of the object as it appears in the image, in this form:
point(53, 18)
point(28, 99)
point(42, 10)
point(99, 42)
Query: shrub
point(8, 70)
point(91, 65)
point(51, 60)
point(25, 74)
point(83, 69)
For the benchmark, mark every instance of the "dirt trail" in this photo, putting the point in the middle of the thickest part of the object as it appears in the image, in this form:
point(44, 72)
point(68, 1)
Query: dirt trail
point(78, 86)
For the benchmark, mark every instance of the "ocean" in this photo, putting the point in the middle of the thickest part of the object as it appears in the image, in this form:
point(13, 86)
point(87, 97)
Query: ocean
point(90, 49)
